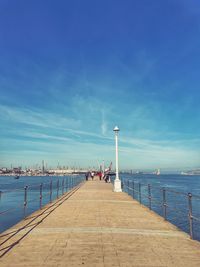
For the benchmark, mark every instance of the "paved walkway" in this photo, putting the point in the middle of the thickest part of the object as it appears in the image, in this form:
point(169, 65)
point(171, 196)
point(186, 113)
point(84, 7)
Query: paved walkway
point(93, 226)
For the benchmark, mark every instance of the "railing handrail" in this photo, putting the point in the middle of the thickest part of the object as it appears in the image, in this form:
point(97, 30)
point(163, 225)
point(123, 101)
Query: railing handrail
point(67, 183)
point(166, 187)
point(163, 201)
point(37, 184)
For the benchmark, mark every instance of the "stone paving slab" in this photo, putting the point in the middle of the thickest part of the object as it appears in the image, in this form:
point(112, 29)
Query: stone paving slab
point(94, 226)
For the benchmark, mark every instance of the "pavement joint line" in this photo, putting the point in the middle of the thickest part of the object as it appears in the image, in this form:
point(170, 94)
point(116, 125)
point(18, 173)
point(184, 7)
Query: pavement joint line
point(106, 230)
point(104, 200)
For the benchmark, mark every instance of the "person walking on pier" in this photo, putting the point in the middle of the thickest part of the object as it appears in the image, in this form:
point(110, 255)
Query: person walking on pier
point(100, 175)
point(87, 176)
point(107, 178)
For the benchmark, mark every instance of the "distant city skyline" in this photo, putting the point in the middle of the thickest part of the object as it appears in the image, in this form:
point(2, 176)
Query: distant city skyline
point(70, 71)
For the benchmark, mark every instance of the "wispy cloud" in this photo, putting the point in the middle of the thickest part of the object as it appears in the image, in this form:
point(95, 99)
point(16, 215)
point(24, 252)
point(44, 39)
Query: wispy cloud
point(46, 138)
point(131, 153)
point(40, 119)
point(36, 117)
point(103, 124)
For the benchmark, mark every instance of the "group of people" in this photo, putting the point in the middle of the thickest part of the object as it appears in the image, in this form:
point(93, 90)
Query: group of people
point(104, 176)
point(89, 175)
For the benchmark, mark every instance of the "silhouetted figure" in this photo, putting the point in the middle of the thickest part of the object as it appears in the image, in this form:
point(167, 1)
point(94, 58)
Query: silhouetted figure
point(86, 176)
point(107, 178)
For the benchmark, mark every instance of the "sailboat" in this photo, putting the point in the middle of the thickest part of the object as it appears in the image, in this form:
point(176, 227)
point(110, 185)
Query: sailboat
point(158, 172)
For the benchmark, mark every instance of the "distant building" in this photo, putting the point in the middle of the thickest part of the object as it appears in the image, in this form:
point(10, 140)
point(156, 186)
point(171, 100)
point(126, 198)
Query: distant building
point(17, 170)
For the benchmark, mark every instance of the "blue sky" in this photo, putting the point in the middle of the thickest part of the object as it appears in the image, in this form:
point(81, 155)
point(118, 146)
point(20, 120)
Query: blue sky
point(72, 70)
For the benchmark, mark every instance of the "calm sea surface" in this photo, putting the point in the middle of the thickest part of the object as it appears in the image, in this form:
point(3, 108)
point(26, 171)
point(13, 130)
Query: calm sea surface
point(177, 188)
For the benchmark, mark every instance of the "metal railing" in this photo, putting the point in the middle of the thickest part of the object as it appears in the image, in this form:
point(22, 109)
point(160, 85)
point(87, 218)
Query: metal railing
point(181, 209)
point(33, 196)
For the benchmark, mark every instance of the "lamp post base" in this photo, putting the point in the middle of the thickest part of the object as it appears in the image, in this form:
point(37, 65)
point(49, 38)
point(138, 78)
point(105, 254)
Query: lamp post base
point(117, 186)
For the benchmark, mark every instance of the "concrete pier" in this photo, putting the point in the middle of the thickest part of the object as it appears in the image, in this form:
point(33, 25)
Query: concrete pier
point(94, 226)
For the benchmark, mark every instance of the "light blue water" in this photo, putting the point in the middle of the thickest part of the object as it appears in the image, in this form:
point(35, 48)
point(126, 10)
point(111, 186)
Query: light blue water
point(13, 193)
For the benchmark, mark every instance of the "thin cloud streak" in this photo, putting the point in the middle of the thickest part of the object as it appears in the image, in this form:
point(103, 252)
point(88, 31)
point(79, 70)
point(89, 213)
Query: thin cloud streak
point(162, 151)
point(103, 124)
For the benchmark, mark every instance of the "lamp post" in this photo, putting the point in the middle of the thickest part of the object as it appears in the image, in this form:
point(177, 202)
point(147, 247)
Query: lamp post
point(117, 182)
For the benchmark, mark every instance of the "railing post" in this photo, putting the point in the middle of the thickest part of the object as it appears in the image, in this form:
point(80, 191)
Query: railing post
point(122, 183)
point(140, 197)
point(133, 190)
point(190, 214)
point(164, 203)
point(128, 187)
point(149, 195)
point(57, 188)
point(25, 199)
point(41, 195)
point(62, 186)
point(66, 184)
point(50, 191)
